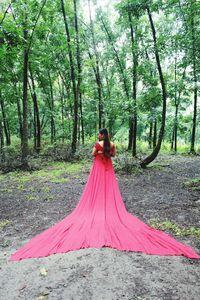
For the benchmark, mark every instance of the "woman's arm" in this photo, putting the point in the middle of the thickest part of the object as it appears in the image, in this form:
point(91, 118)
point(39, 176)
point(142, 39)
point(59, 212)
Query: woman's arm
point(114, 150)
point(94, 151)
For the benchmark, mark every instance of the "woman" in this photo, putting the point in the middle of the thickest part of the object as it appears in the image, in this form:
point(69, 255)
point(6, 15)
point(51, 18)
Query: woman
point(107, 147)
point(101, 219)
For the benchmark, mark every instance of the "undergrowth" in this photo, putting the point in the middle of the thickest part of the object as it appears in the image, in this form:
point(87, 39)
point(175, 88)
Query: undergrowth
point(178, 230)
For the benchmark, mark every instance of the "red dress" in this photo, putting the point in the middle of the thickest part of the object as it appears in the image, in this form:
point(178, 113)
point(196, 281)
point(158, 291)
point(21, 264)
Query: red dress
point(100, 219)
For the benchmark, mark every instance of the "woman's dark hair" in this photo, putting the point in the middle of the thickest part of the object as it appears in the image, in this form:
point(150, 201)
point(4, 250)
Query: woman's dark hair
point(106, 144)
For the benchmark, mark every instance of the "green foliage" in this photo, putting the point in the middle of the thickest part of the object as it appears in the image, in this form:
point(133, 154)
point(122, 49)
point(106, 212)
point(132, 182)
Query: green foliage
point(177, 31)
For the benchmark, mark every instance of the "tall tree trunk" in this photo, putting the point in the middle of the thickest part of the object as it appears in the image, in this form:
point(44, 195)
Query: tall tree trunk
point(134, 81)
point(48, 100)
point(155, 133)
point(98, 82)
point(150, 133)
point(61, 91)
point(78, 58)
point(176, 128)
point(194, 119)
point(74, 135)
point(25, 91)
point(19, 117)
point(27, 47)
point(79, 132)
point(156, 150)
point(172, 139)
point(82, 120)
point(18, 98)
point(68, 107)
point(122, 74)
point(36, 114)
point(2, 152)
point(5, 121)
point(51, 101)
point(98, 77)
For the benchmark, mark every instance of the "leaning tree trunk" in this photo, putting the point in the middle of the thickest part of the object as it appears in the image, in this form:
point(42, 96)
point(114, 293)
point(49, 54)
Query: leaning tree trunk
point(156, 150)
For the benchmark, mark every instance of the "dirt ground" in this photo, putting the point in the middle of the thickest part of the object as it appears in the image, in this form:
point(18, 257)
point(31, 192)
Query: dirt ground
point(105, 273)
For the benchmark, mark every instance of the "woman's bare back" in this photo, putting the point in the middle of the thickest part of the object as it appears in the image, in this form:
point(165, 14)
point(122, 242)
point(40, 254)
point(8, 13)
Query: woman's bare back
point(102, 143)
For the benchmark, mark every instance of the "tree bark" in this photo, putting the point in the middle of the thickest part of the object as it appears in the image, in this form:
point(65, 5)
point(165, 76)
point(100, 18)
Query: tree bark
point(2, 153)
point(5, 121)
point(98, 77)
point(156, 150)
point(150, 133)
point(134, 82)
point(124, 81)
point(79, 79)
point(25, 91)
point(155, 132)
point(194, 119)
point(51, 101)
point(36, 114)
point(82, 120)
point(74, 135)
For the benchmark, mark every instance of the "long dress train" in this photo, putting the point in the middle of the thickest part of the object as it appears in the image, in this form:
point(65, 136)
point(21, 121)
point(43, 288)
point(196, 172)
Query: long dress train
point(101, 219)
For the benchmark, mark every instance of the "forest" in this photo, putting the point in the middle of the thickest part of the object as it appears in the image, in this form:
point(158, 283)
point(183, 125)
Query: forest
point(69, 68)
point(113, 229)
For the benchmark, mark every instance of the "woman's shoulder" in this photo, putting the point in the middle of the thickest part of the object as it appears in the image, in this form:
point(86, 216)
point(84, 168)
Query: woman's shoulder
point(102, 142)
point(111, 143)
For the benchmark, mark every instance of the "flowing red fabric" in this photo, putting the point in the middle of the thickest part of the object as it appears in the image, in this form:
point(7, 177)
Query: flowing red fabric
point(100, 219)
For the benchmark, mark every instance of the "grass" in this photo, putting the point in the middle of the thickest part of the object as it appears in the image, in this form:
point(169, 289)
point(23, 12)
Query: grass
point(31, 198)
point(59, 180)
point(157, 166)
point(46, 189)
point(179, 231)
point(21, 187)
point(51, 172)
point(3, 223)
point(194, 184)
point(6, 190)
